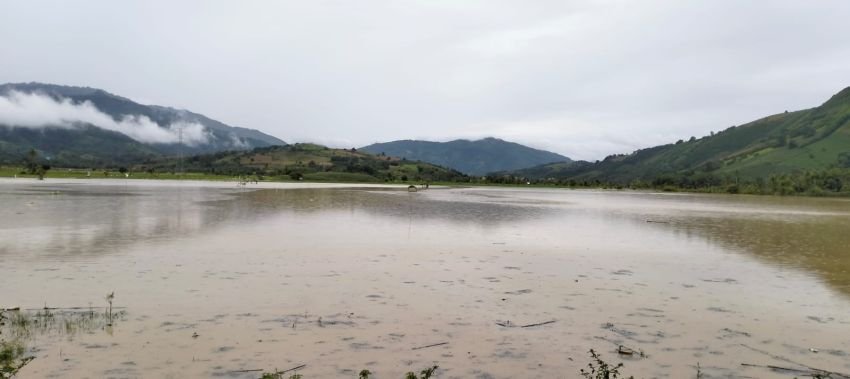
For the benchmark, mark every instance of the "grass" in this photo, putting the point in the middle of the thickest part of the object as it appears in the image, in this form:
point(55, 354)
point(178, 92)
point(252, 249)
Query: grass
point(69, 322)
point(12, 358)
point(73, 173)
point(12, 352)
point(17, 326)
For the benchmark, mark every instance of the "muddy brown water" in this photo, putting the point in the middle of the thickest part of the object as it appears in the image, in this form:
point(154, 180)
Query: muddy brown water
point(214, 279)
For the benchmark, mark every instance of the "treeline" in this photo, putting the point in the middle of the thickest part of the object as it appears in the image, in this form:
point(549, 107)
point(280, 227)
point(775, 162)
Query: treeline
point(306, 161)
point(828, 182)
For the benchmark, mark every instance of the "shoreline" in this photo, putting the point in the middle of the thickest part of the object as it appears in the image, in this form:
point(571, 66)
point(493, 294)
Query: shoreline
point(205, 180)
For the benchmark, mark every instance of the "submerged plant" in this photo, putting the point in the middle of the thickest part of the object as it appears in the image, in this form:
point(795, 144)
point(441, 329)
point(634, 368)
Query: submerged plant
point(23, 324)
point(279, 375)
point(109, 298)
point(599, 369)
point(424, 374)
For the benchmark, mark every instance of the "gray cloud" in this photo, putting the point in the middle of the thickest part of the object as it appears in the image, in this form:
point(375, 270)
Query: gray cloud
point(37, 111)
point(583, 78)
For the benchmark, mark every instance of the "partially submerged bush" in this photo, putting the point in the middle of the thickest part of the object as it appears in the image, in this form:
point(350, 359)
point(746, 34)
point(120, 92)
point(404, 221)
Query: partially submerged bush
point(599, 369)
point(12, 358)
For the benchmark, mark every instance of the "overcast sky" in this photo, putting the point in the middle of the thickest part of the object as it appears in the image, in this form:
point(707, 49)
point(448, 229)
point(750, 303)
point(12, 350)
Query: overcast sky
point(581, 78)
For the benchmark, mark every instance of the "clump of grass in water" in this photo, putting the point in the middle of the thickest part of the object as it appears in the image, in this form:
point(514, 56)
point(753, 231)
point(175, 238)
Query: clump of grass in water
point(424, 374)
point(12, 357)
point(23, 324)
point(599, 369)
point(19, 321)
point(278, 375)
point(19, 325)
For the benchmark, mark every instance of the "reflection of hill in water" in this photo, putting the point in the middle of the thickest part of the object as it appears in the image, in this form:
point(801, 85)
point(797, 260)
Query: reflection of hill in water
point(85, 221)
point(817, 244)
point(76, 222)
point(387, 203)
point(808, 234)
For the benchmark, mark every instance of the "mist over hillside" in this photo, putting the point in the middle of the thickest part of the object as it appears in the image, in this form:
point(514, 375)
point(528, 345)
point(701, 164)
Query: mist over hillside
point(89, 126)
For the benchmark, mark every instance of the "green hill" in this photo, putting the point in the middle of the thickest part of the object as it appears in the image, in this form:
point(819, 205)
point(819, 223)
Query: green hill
point(308, 162)
point(790, 143)
point(81, 147)
point(471, 157)
point(89, 143)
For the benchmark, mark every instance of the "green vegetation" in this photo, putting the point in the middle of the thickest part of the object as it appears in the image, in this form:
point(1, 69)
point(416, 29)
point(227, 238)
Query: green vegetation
point(12, 352)
point(424, 374)
point(788, 148)
point(12, 358)
point(17, 326)
point(828, 182)
point(793, 153)
point(87, 146)
point(33, 167)
point(599, 369)
point(76, 173)
point(82, 147)
point(470, 157)
point(307, 162)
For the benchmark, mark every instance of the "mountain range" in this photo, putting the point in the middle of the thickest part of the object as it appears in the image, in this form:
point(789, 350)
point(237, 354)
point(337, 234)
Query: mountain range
point(785, 143)
point(470, 157)
point(83, 127)
point(88, 127)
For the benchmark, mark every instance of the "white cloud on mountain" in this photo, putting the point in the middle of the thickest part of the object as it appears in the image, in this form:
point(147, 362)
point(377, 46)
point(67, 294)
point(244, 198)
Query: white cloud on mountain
point(39, 111)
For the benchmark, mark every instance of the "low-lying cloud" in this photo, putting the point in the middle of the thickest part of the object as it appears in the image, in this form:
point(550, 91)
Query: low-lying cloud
point(39, 111)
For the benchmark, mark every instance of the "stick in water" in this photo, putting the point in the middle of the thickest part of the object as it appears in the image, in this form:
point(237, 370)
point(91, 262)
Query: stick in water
point(436, 344)
point(537, 324)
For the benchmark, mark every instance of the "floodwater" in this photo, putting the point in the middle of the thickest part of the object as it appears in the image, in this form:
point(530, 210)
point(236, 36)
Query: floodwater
point(215, 280)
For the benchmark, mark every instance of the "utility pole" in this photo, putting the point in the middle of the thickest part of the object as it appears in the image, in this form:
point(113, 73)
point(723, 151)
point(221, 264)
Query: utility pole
point(180, 150)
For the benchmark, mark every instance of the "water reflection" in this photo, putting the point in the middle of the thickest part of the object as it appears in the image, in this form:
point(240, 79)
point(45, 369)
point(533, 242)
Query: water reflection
point(388, 203)
point(818, 245)
point(71, 221)
point(67, 221)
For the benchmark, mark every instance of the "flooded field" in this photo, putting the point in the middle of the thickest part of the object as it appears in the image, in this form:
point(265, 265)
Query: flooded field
point(211, 280)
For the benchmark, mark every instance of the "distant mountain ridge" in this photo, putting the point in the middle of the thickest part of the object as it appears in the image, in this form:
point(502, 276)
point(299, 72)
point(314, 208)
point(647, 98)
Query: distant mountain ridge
point(76, 135)
point(471, 157)
point(790, 142)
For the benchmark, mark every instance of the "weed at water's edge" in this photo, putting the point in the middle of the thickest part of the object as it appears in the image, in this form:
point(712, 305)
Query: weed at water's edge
point(599, 369)
point(12, 358)
point(424, 374)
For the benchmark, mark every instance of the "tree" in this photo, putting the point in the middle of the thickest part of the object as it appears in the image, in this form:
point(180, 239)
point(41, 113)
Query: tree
point(41, 171)
point(31, 162)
